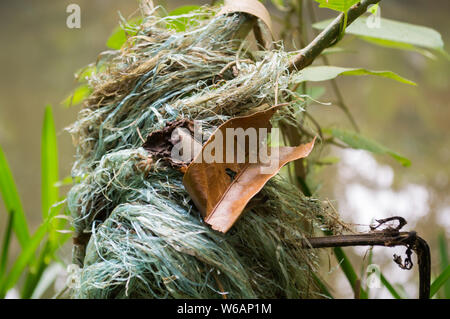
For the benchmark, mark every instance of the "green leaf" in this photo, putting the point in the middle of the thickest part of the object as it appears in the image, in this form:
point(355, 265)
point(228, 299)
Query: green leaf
point(329, 160)
point(399, 45)
point(49, 163)
point(11, 199)
point(346, 266)
point(373, 8)
point(78, 96)
point(440, 281)
point(37, 267)
point(23, 259)
point(315, 92)
point(355, 140)
point(364, 270)
point(279, 4)
point(119, 35)
point(322, 286)
point(348, 270)
point(393, 33)
point(325, 72)
point(117, 39)
point(179, 24)
point(337, 5)
point(389, 287)
point(334, 50)
point(5, 245)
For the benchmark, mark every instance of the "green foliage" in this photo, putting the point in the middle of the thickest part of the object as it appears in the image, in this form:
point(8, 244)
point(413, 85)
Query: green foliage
point(440, 281)
point(36, 252)
point(6, 244)
point(279, 4)
point(443, 254)
point(78, 96)
point(49, 163)
point(337, 5)
point(334, 50)
point(119, 35)
point(12, 201)
point(349, 271)
point(325, 72)
point(179, 24)
point(24, 259)
point(389, 287)
point(355, 140)
point(395, 34)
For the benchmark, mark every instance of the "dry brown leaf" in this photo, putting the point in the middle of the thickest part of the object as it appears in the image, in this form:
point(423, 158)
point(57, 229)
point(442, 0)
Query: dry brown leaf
point(159, 144)
point(221, 190)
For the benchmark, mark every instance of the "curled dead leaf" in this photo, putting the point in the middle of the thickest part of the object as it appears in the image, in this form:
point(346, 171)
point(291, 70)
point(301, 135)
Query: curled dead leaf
point(160, 144)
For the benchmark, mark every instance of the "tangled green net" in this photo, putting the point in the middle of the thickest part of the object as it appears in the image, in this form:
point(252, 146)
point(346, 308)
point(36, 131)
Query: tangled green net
point(137, 233)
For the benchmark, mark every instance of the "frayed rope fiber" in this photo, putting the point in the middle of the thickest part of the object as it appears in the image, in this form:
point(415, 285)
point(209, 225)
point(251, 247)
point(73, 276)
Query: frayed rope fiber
point(137, 233)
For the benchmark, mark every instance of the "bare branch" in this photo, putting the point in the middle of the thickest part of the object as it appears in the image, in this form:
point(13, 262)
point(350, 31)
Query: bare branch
point(387, 238)
point(327, 37)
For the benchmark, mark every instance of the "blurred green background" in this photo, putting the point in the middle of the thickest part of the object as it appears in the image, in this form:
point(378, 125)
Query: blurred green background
point(39, 55)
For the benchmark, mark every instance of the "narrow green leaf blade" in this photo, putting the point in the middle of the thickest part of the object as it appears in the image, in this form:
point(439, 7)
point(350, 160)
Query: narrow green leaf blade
point(23, 259)
point(443, 253)
point(116, 39)
point(37, 268)
point(355, 140)
point(440, 281)
point(348, 270)
point(389, 287)
point(49, 163)
point(5, 245)
point(11, 199)
point(322, 286)
point(325, 72)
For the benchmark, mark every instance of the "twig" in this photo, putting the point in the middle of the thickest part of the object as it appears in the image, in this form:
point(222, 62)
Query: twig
point(387, 238)
point(327, 37)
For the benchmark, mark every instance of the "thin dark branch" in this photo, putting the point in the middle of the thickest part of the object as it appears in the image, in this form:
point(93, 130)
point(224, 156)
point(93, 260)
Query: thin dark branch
point(386, 238)
point(327, 37)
